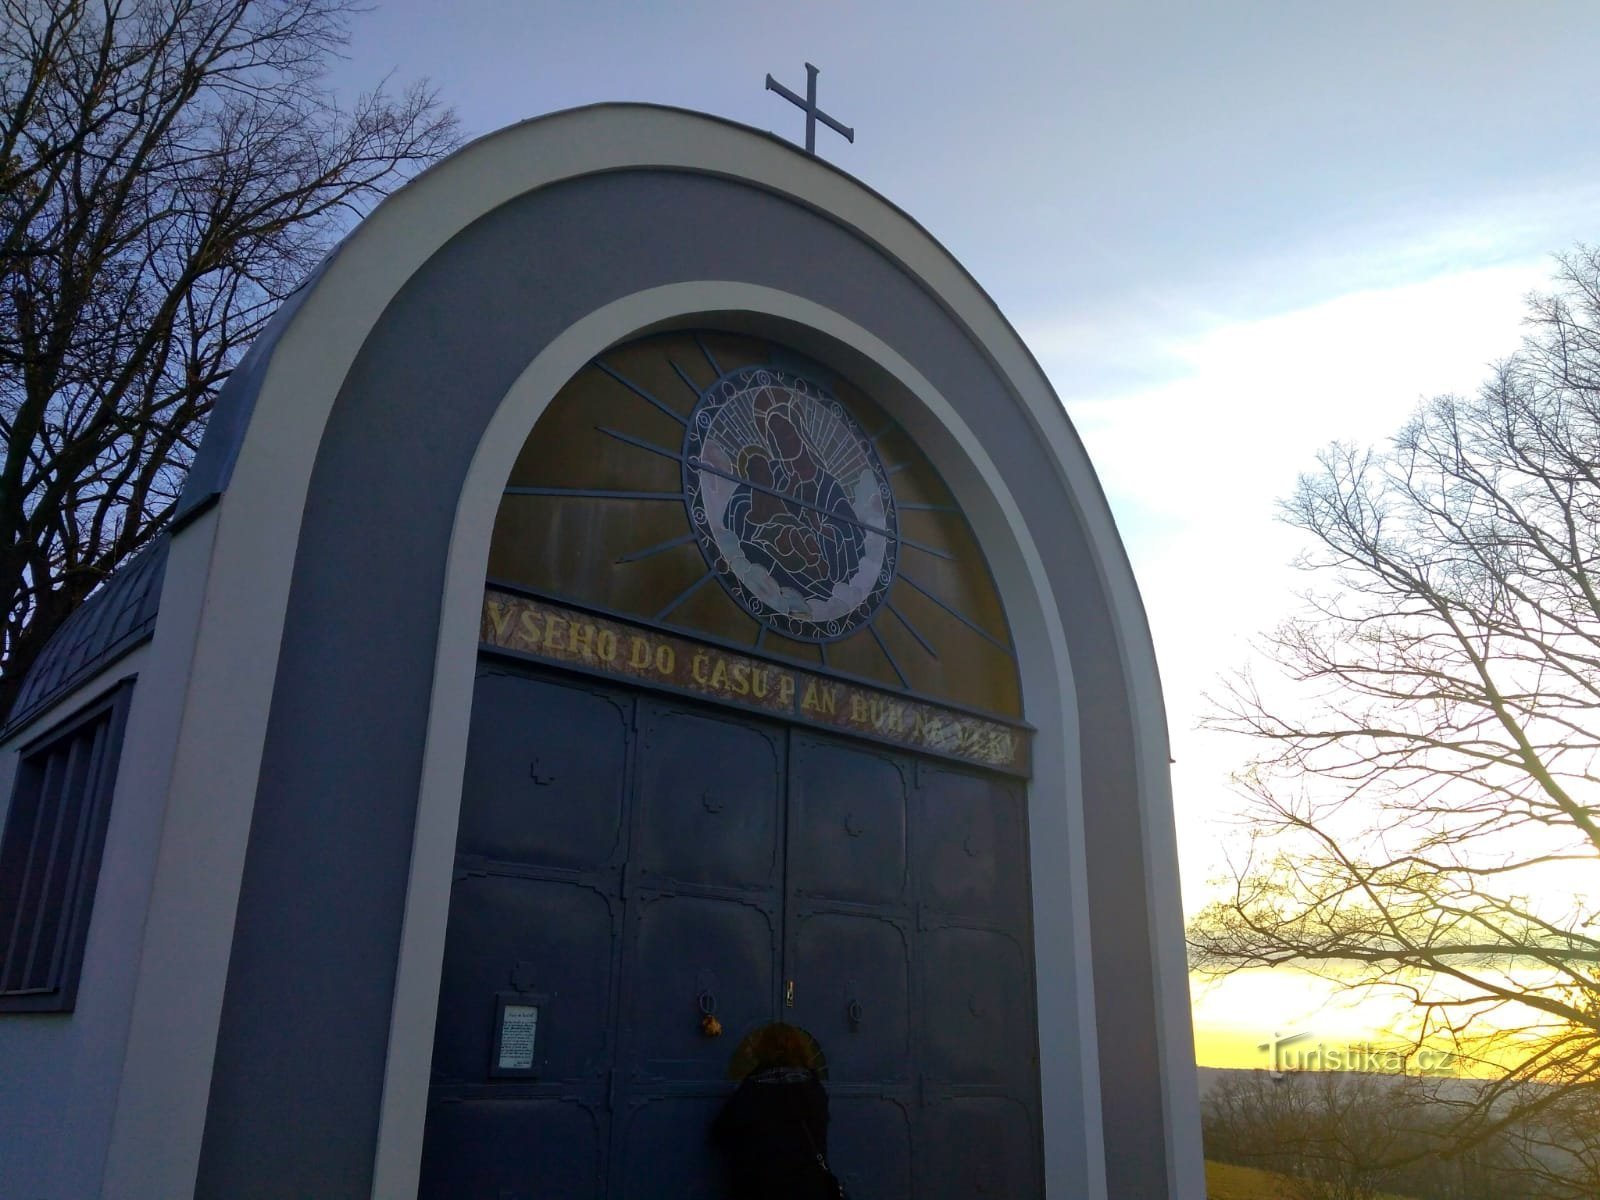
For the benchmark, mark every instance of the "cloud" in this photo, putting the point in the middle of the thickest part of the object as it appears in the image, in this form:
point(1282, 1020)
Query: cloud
point(1195, 462)
point(1248, 404)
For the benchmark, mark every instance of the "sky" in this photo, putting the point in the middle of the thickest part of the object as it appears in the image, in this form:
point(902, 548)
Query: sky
point(1230, 232)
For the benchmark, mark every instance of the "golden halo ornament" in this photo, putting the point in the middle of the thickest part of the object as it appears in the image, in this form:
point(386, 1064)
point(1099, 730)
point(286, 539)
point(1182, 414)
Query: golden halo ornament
point(777, 1045)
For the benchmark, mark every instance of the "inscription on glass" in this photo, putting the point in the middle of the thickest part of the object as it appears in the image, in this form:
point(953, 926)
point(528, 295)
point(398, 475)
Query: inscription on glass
point(552, 633)
point(790, 504)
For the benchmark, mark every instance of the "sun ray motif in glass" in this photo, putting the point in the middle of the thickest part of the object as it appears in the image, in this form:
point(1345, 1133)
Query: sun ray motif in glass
point(838, 551)
point(790, 504)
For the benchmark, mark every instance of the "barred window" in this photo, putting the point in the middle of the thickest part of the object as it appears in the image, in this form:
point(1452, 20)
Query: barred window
point(55, 831)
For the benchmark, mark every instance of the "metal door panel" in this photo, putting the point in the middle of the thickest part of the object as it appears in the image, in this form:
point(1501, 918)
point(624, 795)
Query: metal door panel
point(977, 989)
point(543, 936)
point(546, 772)
point(852, 977)
point(709, 800)
point(640, 862)
point(978, 1147)
point(869, 1146)
point(972, 848)
point(526, 1149)
point(703, 936)
point(693, 955)
point(667, 1152)
point(847, 823)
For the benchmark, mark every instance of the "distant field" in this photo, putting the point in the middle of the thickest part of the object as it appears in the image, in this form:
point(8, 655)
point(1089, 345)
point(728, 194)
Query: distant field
point(1227, 1182)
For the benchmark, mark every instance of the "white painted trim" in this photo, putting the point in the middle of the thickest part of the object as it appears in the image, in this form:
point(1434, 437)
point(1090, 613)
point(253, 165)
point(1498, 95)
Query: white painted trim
point(1181, 1091)
point(213, 677)
point(69, 703)
point(1069, 1069)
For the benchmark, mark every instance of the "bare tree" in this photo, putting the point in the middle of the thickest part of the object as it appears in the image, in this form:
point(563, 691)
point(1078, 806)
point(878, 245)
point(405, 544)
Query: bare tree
point(1424, 797)
point(1332, 1135)
point(169, 171)
point(1555, 1150)
point(1341, 1135)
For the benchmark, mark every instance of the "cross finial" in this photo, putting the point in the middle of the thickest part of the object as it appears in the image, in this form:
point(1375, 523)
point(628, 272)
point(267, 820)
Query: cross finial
point(813, 113)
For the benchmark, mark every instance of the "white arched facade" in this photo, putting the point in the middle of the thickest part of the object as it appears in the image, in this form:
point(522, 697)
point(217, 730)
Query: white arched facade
point(239, 556)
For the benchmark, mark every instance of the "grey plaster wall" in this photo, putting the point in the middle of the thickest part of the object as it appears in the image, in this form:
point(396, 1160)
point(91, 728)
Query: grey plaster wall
point(301, 1049)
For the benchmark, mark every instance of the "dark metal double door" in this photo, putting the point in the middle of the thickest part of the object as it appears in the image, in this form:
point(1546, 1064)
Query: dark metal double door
point(636, 864)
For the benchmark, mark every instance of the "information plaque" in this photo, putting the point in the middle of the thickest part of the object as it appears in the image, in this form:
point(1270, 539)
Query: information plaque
point(517, 1051)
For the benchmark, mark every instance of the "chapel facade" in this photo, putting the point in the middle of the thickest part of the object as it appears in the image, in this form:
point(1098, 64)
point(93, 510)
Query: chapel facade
point(639, 588)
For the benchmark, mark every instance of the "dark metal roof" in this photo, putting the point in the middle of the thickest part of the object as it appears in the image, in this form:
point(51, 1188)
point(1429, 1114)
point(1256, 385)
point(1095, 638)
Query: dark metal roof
point(106, 626)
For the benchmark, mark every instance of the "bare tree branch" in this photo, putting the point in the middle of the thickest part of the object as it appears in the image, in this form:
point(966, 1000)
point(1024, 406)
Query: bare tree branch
point(169, 171)
point(1429, 793)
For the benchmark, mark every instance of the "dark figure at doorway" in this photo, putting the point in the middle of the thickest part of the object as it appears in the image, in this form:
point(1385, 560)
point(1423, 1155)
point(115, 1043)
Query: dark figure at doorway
point(773, 1131)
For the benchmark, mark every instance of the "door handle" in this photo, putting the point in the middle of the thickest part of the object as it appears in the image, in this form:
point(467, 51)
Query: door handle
point(788, 994)
point(710, 1026)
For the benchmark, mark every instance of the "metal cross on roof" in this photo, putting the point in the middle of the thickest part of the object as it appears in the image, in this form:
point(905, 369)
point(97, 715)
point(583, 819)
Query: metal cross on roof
point(813, 113)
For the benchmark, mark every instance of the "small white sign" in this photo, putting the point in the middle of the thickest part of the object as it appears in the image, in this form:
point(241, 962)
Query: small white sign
point(519, 1027)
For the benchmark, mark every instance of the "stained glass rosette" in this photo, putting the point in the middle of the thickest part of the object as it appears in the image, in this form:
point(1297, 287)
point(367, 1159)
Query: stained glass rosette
point(790, 504)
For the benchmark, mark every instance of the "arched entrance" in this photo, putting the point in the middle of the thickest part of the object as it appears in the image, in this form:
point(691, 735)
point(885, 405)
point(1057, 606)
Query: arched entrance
point(746, 743)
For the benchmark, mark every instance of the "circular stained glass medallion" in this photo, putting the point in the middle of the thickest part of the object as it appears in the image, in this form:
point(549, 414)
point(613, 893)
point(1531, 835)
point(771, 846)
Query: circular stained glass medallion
point(790, 504)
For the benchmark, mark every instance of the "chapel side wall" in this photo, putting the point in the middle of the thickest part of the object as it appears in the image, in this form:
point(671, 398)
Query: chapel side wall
point(60, 1071)
point(64, 1074)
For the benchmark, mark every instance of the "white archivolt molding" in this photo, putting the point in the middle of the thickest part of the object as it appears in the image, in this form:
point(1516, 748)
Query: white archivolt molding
point(1069, 1067)
point(251, 560)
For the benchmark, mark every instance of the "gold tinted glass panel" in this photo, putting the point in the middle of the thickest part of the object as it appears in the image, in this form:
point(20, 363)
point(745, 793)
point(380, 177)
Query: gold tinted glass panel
point(816, 488)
